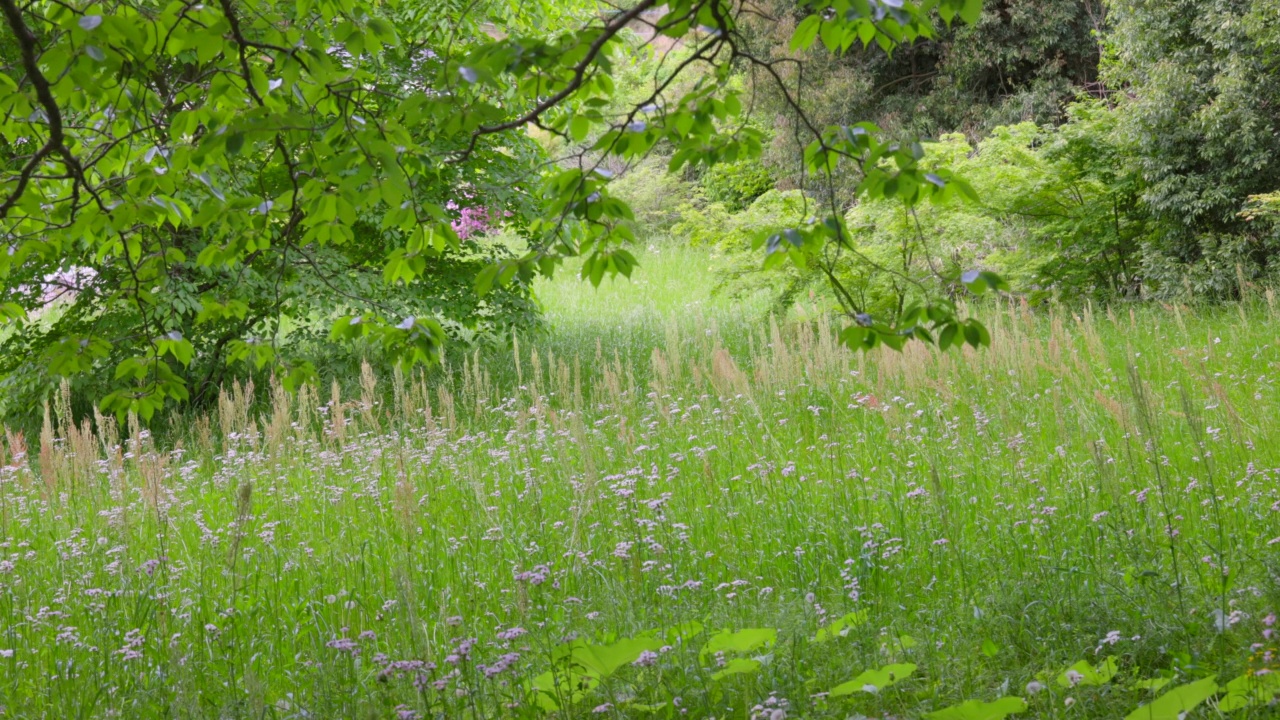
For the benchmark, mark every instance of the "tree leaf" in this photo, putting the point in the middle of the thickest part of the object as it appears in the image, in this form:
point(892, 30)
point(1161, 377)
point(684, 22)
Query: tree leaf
point(806, 32)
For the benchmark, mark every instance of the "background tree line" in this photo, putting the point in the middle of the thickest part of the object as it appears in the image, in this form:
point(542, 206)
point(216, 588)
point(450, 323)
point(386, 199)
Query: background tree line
point(1121, 150)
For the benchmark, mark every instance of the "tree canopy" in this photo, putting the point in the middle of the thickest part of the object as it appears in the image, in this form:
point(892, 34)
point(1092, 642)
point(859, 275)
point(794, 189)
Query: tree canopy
point(194, 179)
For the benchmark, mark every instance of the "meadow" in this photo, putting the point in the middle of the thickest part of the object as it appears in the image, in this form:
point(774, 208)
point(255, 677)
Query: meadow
point(675, 505)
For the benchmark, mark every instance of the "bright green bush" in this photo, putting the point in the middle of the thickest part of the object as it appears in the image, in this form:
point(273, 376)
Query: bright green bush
point(1059, 215)
point(736, 185)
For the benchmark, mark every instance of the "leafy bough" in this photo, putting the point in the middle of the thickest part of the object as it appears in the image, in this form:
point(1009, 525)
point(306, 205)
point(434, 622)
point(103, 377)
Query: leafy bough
point(226, 171)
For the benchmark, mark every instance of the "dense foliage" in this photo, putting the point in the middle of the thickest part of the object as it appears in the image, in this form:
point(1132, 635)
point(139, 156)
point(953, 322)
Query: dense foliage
point(1201, 123)
point(1020, 61)
point(200, 178)
point(1151, 175)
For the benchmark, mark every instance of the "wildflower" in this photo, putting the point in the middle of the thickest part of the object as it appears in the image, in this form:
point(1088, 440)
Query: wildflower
point(133, 641)
point(502, 665)
point(772, 709)
point(6, 653)
point(345, 645)
point(647, 658)
point(1034, 687)
point(599, 709)
point(536, 576)
point(1074, 677)
point(1069, 701)
point(512, 634)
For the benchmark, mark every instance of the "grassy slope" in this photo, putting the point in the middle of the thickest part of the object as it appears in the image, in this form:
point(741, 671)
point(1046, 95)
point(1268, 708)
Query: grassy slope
point(641, 468)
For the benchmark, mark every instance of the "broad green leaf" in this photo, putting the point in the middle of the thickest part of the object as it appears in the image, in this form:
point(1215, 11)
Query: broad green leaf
point(1151, 684)
point(873, 681)
point(1174, 704)
point(742, 641)
point(737, 666)
point(806, 32)
point(569, 685)
point(602, 660)
point(840, 626)
point(1250, 690)
point(978, 710)
point(1082, 673)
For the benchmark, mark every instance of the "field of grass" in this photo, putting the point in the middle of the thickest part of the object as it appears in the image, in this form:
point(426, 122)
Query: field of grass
point(672, 507)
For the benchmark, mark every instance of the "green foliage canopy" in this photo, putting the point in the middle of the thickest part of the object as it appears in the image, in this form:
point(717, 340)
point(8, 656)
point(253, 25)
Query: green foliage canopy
point(200, 175)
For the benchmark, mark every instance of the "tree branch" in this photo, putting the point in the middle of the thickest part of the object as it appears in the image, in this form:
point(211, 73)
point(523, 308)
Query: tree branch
point(27, 47)
point(610, 29)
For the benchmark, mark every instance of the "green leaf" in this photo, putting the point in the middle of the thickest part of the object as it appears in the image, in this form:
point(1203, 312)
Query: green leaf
point(841, 626)
point(1151, 684)
point(602, 660)
point(1175, 703)
point(832, 33)
point(742, 641)
point(971, 11)
point(899, 642)
point(978, 710)
point(571, 686)
point(873, 681)
point(579, 127)
point(737, 666)
point(11, 312)
point(806, 33)
point(1249, 690)
point(1082, 673)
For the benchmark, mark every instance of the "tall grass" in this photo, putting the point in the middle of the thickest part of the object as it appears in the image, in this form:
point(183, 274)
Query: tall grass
point(1100, 484)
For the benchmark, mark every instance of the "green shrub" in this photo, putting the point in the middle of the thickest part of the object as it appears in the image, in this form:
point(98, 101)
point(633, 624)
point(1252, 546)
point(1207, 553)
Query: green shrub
point(736, 185)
